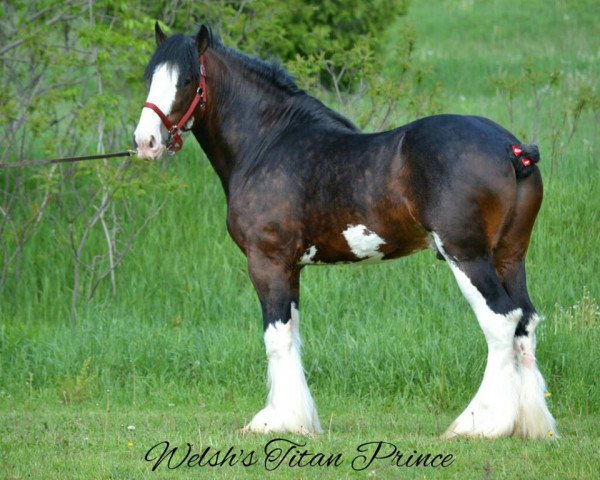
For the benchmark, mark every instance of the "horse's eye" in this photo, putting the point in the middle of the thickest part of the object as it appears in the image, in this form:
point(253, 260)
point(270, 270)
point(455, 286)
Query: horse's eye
point(187, 81)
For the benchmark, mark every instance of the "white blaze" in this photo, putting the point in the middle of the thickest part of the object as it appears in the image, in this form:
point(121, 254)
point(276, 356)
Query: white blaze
point(149, 132)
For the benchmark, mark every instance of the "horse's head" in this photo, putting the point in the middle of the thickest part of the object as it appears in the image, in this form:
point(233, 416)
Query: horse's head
point(176, 93)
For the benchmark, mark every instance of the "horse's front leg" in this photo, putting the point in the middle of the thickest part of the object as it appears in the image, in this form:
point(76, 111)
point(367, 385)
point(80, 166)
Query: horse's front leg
point(290, 406)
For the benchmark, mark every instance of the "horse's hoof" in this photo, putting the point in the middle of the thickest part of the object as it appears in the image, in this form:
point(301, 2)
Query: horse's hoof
point(269, 420)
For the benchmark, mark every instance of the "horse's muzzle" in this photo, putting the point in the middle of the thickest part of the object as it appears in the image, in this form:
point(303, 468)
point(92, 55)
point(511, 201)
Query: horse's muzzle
point(148, 148)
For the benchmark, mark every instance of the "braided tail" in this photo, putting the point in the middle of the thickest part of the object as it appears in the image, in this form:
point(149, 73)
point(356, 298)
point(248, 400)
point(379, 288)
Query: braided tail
point(524, 157)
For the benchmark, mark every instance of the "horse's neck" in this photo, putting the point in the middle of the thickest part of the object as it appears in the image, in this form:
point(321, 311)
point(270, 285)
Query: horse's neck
point(241, 114)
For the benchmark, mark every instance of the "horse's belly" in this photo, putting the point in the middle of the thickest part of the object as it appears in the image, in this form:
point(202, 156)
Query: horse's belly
point(359, 244)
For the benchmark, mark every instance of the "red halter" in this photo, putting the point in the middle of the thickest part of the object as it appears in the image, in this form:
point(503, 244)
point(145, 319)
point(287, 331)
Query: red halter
point(175, 142)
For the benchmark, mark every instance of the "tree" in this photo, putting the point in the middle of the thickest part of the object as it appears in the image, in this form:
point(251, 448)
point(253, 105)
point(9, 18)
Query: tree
point(65, 67)
point(71, 84)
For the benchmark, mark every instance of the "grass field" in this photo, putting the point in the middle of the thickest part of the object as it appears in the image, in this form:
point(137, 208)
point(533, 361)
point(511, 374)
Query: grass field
point(392, 352)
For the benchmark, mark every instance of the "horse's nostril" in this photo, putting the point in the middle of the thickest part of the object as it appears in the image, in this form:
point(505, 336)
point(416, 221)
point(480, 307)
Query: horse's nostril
point(151, 144)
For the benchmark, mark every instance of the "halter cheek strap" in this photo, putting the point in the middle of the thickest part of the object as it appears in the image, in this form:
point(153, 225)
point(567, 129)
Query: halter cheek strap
point(175, 142)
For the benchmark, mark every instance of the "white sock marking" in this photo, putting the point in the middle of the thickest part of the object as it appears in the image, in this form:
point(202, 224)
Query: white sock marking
point(290, 406)
point(493, 410)
point(510, 399)
point(534, 419)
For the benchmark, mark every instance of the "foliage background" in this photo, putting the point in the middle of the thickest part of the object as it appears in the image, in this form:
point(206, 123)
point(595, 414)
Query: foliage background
point(123, 301)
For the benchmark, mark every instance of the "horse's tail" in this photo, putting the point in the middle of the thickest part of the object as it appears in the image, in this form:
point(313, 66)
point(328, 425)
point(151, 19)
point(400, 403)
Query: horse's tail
point(524, 157)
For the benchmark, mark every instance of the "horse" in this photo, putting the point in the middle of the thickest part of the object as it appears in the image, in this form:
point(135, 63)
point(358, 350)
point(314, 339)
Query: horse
point(304, 186)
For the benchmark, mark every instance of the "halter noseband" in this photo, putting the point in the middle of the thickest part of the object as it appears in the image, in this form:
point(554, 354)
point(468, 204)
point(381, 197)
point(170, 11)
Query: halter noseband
point(175, 142)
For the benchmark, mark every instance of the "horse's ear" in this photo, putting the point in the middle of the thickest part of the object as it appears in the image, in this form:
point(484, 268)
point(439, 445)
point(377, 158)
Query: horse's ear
point(203, 39)
point(159, 34)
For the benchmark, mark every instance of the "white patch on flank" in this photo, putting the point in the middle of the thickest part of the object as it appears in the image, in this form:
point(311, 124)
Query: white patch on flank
point(510, 399)
point(363, 242)
point(150, 128)
point(290, 406)
point(308, 256)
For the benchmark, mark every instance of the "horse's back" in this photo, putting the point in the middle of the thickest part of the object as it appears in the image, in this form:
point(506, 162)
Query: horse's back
point(445, 142)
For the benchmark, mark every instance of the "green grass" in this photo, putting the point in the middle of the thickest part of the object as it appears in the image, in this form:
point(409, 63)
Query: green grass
point(98, 441)
point(392, 352)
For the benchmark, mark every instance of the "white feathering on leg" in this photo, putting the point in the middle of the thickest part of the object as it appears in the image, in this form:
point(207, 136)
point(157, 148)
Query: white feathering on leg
point(534, 420)
point(493, 410)
point(290, 406)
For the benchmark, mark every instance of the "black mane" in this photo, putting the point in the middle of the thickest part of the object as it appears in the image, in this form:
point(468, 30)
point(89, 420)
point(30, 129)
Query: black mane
point(272, 72)
point(180, 51)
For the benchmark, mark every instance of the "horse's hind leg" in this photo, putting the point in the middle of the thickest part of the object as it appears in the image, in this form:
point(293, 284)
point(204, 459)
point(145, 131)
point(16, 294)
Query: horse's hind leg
point(290, 406)
point(494, 409)
point(534, 419)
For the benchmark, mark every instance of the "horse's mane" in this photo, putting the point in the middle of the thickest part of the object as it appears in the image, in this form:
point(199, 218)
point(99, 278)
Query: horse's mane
point(270, 71)
point(180, 51)
point(273, 73)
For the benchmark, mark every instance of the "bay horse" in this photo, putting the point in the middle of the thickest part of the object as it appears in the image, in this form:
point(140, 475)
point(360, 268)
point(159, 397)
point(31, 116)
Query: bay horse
point(304, 186)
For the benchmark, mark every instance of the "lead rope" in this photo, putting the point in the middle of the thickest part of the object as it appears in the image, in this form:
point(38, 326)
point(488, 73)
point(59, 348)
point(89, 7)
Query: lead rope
point(36, 163)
